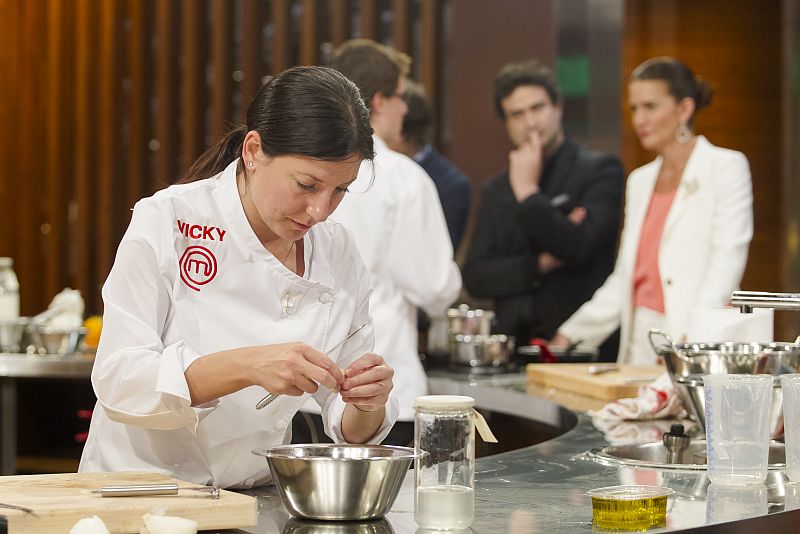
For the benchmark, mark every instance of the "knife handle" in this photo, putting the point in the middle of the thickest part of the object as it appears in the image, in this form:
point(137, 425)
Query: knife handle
point(134, 490)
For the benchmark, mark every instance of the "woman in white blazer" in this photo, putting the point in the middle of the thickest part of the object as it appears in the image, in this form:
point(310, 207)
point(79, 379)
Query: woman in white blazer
point(688, 221)
point(232, 283)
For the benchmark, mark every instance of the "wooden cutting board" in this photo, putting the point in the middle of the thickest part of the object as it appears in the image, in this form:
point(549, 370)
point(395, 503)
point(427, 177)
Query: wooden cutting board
point(575, 377)
point(59, 501)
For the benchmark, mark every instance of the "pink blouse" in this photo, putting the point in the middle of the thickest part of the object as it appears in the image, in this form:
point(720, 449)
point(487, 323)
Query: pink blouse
point(646, 278)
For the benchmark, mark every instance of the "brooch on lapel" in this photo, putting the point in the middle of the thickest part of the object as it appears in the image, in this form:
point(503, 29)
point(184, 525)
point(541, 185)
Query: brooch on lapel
point(691, 186)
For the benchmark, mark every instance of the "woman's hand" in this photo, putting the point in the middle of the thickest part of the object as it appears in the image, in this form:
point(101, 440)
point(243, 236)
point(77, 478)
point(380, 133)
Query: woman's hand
point(367, 383)
point(292, 369)
point(560, 340)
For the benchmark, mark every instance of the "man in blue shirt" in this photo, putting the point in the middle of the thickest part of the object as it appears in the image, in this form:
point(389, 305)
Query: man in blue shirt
point(452, 185)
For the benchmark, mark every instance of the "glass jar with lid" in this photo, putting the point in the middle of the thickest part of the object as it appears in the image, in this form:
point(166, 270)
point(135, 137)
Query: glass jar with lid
point(444, 468)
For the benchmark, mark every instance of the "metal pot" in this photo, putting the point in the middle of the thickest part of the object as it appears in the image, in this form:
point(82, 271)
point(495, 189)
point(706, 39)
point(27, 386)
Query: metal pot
point(481, 353)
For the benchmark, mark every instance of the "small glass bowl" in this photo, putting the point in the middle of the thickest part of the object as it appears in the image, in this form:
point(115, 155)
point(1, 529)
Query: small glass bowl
point(629, 508)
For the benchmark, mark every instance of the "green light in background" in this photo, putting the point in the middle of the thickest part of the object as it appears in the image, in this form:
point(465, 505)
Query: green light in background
point(572, 73)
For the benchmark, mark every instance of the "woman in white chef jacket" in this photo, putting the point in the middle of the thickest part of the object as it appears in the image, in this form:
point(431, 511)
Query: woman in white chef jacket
point(688, 221)
point(232, 284)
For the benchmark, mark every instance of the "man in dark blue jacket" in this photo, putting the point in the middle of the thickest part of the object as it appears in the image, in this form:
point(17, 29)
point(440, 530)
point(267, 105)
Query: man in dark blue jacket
point(452, 185)
point(546, 231)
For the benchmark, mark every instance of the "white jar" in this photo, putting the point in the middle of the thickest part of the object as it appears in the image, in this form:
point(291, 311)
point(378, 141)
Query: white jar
point(444, 467)
point(9, 290)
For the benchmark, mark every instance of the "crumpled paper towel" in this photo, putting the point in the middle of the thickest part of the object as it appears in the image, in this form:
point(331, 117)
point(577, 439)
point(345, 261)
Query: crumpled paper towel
point(65, 311)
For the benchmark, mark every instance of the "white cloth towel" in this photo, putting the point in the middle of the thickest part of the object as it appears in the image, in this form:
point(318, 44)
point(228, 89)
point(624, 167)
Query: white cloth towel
point(657, 400)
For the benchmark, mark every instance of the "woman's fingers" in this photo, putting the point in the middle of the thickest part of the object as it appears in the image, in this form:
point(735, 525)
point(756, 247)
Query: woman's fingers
point(316, 366)
point(368, 381)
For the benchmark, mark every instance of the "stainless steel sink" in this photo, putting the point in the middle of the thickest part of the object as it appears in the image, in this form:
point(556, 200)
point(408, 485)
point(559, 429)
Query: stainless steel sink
point(655, 455)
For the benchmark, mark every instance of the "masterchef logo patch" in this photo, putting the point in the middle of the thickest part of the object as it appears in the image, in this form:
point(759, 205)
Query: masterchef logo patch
point(198, 267)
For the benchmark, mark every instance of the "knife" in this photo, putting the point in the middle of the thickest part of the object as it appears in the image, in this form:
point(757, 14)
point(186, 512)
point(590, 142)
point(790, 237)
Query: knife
point(270, 397)
point(135, 490)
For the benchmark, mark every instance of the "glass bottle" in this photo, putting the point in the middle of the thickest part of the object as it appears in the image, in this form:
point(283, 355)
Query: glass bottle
point(9, 290)
point(444, 467)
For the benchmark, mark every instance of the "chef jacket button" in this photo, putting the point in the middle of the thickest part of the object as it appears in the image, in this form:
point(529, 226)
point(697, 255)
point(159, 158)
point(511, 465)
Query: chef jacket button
point(248, 483)
point(536, 284)
point(668, 281)
point(325, 297)
point(282, 424)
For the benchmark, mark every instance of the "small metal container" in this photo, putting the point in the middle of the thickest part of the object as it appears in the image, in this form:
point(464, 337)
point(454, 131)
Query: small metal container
point(338, 482)
point(49, 340)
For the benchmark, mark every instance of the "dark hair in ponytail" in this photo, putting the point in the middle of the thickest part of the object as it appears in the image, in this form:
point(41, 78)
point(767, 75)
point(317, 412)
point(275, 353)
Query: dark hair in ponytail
point(304, 111)
point(681, 81)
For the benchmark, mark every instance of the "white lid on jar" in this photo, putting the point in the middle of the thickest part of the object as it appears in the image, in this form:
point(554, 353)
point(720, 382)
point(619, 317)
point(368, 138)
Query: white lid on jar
point(445, 402)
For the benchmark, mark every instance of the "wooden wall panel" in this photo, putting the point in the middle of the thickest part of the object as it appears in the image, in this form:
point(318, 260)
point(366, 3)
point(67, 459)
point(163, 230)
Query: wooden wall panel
point(109, 151)
point(309, 46)
point(31, 164)
point(137, 84)
point(339, 21)
point(368, 21)
point(280, 35)
point(251, 67)
point(221, 66)
point(57, 150)
point(193, 70)
point(475, 138)
point(102, 103)
point(166, 90)
point(9, 55)
point(83, 244)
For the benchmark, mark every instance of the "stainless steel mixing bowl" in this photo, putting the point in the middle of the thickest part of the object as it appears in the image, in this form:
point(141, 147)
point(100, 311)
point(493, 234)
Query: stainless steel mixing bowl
point(338, 482)
point(693, 359)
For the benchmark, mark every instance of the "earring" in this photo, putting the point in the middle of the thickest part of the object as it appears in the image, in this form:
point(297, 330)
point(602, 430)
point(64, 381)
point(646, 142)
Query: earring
point(249, 163)
point(683, 134)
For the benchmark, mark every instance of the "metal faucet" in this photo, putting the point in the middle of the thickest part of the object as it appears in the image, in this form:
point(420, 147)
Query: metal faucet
point(676, 441)
point(747, 300)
